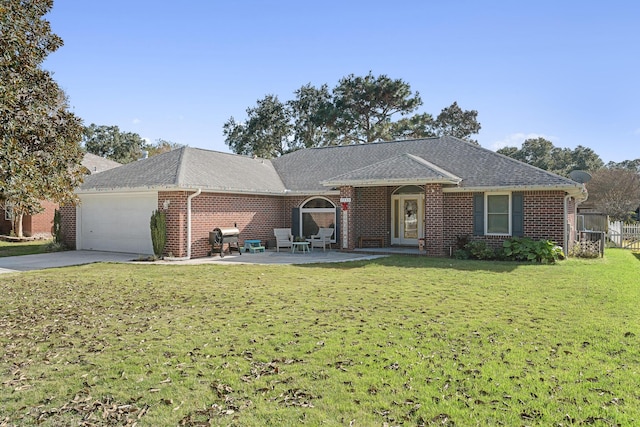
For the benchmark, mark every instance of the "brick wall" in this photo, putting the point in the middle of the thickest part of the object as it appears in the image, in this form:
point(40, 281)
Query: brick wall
point(370, 213)
point(5, 225)
point(543, 218)
point(40, 225)
point(544, 215)
point(68, 225)
point(458, 219)
point(434, 220)
point(255, 217)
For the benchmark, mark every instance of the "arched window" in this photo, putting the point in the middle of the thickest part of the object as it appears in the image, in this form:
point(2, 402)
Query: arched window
point(316, 213)
point(409, 189)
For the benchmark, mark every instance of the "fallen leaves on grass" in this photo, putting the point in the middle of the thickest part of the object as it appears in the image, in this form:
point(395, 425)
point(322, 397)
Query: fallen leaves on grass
point(296, 397)
point(92, 411)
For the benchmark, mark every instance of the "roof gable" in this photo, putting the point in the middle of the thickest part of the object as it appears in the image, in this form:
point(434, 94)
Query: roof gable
point(191, 168)
point(97, 164)
point(404, 169)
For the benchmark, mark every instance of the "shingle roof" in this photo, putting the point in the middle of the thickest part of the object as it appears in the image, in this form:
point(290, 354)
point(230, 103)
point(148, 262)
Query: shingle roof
point(189, 168)
point(307, 170)
point(402, 168)
point(97, 164)
point(456, 163)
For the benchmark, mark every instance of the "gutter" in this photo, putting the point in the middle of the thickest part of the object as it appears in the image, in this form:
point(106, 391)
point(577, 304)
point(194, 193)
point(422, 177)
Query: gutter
point(188, 257)
point(574, 190)
point(584, 196)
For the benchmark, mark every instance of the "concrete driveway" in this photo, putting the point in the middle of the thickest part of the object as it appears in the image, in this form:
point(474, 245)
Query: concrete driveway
point(69, 258)
point(60, 259)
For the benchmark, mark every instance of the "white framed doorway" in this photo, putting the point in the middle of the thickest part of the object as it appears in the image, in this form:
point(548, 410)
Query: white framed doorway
point(407, 215)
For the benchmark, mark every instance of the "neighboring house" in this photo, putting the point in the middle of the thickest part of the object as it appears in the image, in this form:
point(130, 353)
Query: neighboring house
point(390, 193)
point(39, 225)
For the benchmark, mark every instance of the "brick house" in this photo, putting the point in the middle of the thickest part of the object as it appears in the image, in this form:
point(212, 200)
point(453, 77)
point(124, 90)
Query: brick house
point(40, 224)
point(387, 193)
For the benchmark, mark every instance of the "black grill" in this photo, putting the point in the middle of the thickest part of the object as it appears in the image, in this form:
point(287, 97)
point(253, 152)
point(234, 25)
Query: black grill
point(221, 236)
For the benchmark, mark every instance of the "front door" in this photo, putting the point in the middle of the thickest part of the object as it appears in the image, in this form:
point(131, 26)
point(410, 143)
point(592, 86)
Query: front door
point(407, 219)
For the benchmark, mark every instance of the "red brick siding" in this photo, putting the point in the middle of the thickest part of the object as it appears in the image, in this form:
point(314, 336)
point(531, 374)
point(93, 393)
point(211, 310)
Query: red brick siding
point(458, 219)
point(543, 218)
point(68, 225)
point(434, 219)
point(544, 215)
point(5, 225)
point(447, 216)
point(370, 214)
point(255, 217)
point(40, 224)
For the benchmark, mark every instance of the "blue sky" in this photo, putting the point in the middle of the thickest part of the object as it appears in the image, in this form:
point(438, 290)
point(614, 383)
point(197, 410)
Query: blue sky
point(564, 70)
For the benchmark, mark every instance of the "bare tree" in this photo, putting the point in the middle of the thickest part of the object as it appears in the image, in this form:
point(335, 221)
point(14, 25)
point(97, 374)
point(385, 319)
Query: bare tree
point(615, 192)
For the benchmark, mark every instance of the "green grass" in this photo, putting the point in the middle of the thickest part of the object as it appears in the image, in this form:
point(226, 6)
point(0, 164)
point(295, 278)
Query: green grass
point(397, 341)
point(24, 248)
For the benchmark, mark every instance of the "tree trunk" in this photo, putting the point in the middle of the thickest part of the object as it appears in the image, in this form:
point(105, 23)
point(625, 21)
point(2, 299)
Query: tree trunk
point(17, 223)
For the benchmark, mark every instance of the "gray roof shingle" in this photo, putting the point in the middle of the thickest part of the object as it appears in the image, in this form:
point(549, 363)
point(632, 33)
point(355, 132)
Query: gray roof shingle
point(454, 162)
point(97, 164)
point(306, 170)
point(189, 168)
point(402, 168)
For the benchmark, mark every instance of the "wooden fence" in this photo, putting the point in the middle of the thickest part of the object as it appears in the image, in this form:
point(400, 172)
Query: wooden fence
point(624, 235)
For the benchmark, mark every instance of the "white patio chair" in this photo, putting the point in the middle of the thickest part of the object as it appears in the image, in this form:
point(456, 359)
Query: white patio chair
point(284, 238)
point(322, 239)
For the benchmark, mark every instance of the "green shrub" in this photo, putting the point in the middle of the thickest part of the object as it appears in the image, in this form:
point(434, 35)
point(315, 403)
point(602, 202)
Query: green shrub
point(462, 241)
point(460, 254)
point(55, 247)
point(56, 230)
point(479, 249)
point(158, 232)
point(527, 249)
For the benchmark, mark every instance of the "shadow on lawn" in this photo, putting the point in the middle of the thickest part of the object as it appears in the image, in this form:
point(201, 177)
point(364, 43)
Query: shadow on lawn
point(637, 255)
point(401, 261)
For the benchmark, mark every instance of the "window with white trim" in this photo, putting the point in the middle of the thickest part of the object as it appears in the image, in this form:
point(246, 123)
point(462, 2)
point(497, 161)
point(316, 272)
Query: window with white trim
point(317, 213)
point(8, 212)
point(497, 214)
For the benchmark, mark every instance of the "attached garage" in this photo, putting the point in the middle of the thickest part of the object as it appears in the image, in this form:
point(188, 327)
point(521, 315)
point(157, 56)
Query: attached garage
point(117, 222)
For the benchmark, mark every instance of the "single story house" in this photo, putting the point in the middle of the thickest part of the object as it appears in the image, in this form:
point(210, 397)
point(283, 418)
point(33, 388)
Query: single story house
point(41, 224)
point(383, 194)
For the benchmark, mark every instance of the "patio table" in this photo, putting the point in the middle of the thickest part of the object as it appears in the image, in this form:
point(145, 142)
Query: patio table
point(304, 246)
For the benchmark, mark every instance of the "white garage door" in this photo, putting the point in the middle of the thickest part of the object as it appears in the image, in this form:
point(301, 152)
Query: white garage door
point(116, 223)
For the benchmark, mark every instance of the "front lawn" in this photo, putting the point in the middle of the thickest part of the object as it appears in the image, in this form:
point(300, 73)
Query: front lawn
point(24, 248)
point(396, 341)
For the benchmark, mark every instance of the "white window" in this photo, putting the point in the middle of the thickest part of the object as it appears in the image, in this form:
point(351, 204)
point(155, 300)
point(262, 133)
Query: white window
point(8, 212)
point(317, 213)
point(497, 213)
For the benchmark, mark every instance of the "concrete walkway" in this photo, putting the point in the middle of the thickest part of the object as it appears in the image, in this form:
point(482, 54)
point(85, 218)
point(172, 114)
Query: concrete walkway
point(70, 258)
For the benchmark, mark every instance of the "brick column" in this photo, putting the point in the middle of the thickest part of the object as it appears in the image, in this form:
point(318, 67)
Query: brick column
point(348, 215)
point(434, 220)
point(68, 225)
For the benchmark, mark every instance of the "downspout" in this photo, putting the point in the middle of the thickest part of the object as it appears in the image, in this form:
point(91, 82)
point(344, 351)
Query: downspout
point(188, 257)
point(197, 193)
point(583, 199)
point(566, 225)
